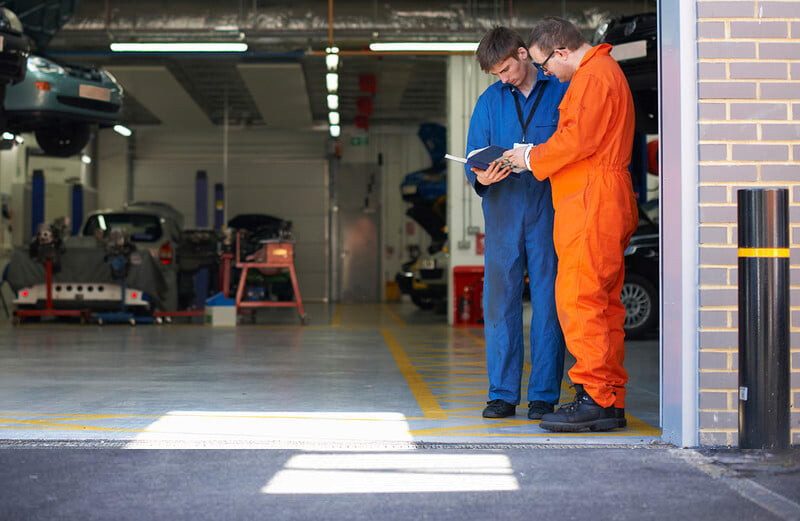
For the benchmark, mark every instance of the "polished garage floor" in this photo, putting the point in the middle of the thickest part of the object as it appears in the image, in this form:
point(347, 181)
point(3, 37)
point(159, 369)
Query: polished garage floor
point(359, 375)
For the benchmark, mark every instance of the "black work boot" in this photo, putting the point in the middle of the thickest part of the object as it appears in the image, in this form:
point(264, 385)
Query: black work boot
point(620, 413)
point(499, 409)
point(583, 413)
point(537, 409)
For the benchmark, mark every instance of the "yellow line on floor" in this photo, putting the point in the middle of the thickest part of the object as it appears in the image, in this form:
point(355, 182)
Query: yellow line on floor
point(337, 316)
point(422, 432)
point(394, 315)
point(425, 399)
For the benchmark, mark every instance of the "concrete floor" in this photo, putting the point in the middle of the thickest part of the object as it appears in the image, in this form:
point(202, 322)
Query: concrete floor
point(372, 412)
point(360, 375)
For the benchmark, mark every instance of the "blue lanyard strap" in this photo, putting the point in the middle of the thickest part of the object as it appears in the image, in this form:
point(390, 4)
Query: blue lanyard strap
point(527, 122)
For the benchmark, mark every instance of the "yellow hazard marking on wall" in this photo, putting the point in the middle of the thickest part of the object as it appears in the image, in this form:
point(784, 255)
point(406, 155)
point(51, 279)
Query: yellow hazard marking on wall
point(764, 252)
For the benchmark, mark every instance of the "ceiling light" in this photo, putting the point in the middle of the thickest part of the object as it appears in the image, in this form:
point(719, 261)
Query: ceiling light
point(333, 118)
point(336, 130)
point(332, 50)
point(123, 130)
point(86, 159)
point(179, 47)
point(332, 81)
point(423, 46)
point(8, 136)
point(19, 139)
point(333, 102)
point(332, 61)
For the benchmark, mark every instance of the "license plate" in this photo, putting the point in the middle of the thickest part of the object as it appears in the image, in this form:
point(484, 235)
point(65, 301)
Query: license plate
point(92, 92)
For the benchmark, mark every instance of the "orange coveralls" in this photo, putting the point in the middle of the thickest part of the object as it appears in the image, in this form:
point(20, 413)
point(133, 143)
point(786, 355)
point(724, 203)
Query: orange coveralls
point(587, 162)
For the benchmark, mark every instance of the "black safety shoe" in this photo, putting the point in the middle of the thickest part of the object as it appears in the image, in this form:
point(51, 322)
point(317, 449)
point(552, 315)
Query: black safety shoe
point(583, 413)
point(537, 409)
point(499, 409)
point(620, 414)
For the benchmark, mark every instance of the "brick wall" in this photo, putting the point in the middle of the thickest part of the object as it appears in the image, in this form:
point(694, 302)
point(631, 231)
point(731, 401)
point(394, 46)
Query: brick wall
point(749, 131)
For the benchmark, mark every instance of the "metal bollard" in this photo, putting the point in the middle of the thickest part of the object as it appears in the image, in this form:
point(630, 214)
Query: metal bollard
point(763, 318)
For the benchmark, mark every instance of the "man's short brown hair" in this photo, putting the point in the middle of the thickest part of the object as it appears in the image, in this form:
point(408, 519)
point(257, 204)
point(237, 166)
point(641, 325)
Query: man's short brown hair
point(497, 45)
point(554, 33)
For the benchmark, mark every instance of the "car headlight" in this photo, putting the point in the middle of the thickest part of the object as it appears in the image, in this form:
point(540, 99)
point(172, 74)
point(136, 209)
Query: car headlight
point(38, 64)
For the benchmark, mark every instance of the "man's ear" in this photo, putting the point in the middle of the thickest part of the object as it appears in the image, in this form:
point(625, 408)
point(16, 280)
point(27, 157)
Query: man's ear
point(522, 54)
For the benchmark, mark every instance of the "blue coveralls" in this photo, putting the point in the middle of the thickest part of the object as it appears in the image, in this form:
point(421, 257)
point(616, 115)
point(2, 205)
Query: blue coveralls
point(518, 215)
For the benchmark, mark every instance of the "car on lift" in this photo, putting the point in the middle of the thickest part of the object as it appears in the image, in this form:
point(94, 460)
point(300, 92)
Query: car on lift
point(61, 104)
point(14, 50)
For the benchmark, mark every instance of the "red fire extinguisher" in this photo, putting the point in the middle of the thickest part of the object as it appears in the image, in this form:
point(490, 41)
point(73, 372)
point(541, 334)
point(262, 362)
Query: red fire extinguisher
point(465, 306)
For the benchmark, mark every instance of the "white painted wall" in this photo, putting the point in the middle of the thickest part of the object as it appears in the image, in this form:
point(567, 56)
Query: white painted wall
point(465, 82)
point(402, 153)
point(278, 173)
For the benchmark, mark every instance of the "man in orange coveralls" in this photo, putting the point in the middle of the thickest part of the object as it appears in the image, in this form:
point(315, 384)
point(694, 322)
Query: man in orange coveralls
point(586, 160)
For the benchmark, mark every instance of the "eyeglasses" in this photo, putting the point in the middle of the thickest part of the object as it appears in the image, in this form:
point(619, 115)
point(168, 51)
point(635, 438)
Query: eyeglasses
point(543, 66)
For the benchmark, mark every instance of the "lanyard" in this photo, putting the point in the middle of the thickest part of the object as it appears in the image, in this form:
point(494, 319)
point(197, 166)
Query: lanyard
point(525, 124)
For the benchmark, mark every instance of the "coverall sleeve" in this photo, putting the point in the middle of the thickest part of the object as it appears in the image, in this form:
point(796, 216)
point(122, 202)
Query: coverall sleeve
point(584, 121)
point(478, 137)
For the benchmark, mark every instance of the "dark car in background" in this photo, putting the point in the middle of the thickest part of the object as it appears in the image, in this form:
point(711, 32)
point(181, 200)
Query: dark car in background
point(640, 291)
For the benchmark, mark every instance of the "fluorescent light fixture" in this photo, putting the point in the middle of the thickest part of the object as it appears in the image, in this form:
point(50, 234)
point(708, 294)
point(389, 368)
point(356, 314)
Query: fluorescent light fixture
point(179, 47)
point(336, 130)
point(333, 102)
point(123, 130)
point(19, 139)
point(423, 46)
point(8, 136)
point(86, 159)
point(333, 118)
point(332, 81)
point(332, 61)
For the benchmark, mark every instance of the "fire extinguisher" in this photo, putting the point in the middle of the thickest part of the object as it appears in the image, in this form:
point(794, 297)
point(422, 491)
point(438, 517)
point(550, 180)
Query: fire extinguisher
point(465, 306)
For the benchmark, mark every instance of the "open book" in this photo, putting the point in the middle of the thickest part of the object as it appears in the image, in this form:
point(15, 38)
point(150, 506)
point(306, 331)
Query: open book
point(481, 158)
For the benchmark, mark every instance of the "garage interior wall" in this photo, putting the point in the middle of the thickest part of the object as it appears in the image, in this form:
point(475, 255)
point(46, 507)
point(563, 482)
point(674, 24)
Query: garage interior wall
point(749, 131)
point(274, 172)
point(401, 152)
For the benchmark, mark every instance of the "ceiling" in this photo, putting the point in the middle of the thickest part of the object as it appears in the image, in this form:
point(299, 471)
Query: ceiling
point(280, 81)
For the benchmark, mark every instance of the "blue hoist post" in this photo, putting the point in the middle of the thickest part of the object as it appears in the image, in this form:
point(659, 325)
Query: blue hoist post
point(37, 201)
point(77, 208)
point(201, 199)
point(764, 363)
point(219, 206)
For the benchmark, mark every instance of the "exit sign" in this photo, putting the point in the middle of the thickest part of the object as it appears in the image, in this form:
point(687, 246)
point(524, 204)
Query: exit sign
point(359, 141)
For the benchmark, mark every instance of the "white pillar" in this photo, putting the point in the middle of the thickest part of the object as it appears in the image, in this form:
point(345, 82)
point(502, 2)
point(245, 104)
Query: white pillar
point(465, 82)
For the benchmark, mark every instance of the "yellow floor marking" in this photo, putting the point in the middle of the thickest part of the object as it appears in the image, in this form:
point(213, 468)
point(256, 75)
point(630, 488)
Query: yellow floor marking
point(394, 315)
point(337, 316)
point(473, 393)
point(464, 409)
point(447, 371)
point(425, 399)
point(472, 335)
point(422, 432)
point(461, 401)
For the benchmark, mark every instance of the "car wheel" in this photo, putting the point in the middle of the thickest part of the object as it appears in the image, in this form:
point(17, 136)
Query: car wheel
point(640, 299)
point(426, 303)
point(63, 140)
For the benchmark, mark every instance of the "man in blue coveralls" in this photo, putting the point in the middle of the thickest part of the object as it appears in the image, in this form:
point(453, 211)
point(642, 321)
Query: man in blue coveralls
point(520, 109)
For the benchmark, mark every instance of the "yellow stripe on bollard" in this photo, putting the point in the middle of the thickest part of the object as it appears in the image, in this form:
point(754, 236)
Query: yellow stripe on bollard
point(764, 252)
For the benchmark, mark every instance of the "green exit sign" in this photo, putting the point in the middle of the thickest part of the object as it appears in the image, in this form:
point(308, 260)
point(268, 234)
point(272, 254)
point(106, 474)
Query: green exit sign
point(359, 141)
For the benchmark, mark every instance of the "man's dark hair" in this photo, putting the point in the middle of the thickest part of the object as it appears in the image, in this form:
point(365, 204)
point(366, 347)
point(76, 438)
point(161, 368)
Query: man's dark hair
point(497, 45)
point(553, 33)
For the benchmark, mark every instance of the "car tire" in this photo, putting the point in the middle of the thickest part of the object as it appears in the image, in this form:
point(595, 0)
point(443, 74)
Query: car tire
point(640, 299)
point(63, 140)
